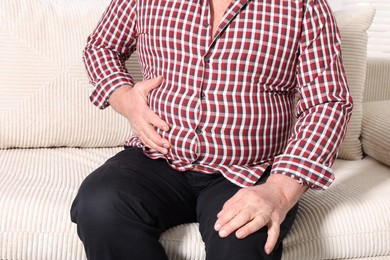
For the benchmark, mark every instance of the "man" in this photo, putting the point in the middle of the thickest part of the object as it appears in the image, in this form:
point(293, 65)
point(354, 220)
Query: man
point(215, 136)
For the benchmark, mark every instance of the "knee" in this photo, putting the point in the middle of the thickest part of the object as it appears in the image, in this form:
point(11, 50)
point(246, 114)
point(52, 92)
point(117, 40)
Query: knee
point(108, 197)
point(94, 201)
point(101, 197)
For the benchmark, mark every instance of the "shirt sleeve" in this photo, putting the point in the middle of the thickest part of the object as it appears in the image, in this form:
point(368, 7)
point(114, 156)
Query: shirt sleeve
point(108, 47)
point(325, 104)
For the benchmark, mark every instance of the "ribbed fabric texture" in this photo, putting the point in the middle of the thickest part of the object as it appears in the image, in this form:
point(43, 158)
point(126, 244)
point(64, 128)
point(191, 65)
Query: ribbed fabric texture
point(375, 130)
point(351, 219)
point(378, 80)
point(37, 187)
point(353, 26)
point(184, 242)
point(44, 99)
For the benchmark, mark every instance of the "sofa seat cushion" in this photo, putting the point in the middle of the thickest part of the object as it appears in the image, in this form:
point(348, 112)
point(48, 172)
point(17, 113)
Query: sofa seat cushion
point(37, 187)
point(349, 220)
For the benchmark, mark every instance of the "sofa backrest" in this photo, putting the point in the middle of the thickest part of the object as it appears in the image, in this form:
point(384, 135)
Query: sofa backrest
point(43, 85)
point(44, 88)
point(377, 86)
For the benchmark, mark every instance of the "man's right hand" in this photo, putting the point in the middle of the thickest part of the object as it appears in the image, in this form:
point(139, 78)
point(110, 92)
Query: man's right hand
point(131, 102)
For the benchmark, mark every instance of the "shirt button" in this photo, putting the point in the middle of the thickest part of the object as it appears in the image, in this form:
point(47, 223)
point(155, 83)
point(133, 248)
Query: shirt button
point(206, 25)
point(202, 94)
point(198, 131)
point(207, 59)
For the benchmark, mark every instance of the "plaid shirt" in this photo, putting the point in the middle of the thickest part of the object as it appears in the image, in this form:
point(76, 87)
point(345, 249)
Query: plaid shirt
point(230, 100)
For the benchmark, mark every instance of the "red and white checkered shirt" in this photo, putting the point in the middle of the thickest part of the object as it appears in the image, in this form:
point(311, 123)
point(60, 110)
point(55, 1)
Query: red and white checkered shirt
point(230, 100)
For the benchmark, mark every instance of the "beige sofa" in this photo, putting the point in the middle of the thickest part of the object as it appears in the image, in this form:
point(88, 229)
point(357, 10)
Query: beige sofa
point(51, 137)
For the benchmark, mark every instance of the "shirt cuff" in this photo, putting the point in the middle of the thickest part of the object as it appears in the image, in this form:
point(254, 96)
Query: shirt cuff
point(303, 170)
point(105, 87)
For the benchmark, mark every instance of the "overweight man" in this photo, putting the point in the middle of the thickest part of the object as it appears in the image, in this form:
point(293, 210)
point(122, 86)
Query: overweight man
point(219, 138)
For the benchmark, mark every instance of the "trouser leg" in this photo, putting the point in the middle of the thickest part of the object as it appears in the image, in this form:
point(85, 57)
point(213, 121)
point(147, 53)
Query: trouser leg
point(122, 208)
point(210, 202)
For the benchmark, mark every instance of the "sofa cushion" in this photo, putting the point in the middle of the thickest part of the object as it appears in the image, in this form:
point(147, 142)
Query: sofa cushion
point(43, 84)
point(353, 26)
point(377, 79)
point(375, 130)
point(37, 187)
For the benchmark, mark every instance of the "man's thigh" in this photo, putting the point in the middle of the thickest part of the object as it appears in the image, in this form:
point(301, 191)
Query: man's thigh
point(138, 186)
point(210, 202)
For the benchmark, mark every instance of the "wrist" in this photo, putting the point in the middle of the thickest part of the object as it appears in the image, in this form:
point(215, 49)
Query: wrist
point(118, 92)
point(119, 97)
point(288, 188)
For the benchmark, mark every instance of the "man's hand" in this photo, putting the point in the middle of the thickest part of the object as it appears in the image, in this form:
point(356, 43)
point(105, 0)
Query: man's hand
point(250, 209)
point(132, 103)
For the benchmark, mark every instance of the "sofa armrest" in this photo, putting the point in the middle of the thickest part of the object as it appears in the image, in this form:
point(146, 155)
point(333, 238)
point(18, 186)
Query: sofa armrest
point(377, 86)
point(375, 130)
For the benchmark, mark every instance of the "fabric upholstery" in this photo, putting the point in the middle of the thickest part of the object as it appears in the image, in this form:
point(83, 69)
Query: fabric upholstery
point(353, 26)
point(377, 80)
point(375, 130)
point(43, 84)
point(37, 187)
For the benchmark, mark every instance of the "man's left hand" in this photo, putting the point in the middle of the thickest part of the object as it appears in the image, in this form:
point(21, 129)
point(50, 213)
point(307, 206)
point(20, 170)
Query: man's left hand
point(253, 208)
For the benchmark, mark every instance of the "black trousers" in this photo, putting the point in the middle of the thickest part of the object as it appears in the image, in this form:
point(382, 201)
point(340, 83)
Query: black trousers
point(122, 208)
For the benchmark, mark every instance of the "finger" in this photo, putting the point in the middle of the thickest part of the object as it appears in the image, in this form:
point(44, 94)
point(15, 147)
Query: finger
point(149, 136)
point(251, 227)
point(229, 210)
point(158, 145)
point(225, 215)
point(235, 223)
point(273, 235)
point(230, 203)
point(155, 120)
point(151, 133)
point(150, 84)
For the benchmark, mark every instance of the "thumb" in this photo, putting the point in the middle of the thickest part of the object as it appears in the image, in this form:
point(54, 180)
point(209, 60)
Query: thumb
point(150, 84)
point(273, 235)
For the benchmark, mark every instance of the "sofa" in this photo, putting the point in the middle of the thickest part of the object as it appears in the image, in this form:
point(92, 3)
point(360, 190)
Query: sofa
point(51, 138)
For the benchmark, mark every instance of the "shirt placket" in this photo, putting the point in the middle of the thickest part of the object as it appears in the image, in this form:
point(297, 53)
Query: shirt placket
point(206, 71)
point(204, 41)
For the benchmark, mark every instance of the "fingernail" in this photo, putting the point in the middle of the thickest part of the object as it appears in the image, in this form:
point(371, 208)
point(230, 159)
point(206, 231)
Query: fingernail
point(217, 227)
point(223, 233)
